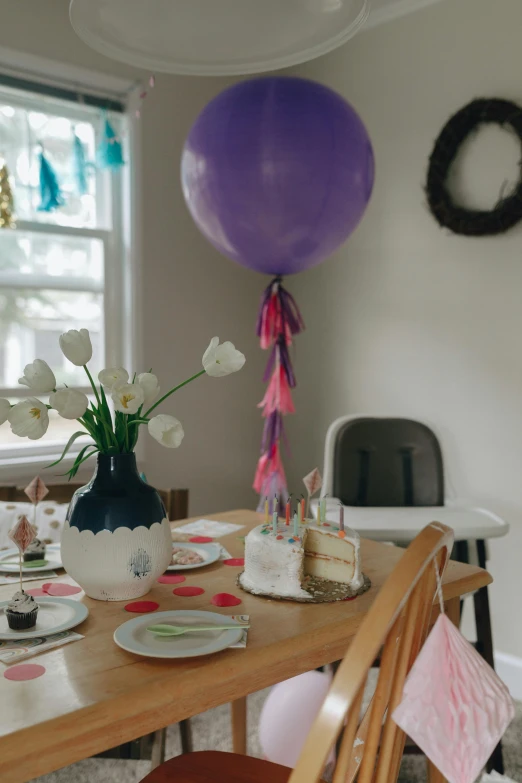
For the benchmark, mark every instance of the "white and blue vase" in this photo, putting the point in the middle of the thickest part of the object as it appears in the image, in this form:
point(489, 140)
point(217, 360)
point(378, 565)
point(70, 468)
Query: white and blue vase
point(116, 539)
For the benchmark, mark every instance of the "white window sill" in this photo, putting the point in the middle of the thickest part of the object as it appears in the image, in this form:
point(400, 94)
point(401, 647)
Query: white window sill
point(20, 469)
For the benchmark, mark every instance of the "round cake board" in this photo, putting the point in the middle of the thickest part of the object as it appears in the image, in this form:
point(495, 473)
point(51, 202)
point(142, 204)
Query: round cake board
point(321, 591)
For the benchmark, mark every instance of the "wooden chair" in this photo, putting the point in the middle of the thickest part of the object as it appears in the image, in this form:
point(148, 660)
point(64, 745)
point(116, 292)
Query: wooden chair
point(393, 464)
point(176, 502)
point(395, 627)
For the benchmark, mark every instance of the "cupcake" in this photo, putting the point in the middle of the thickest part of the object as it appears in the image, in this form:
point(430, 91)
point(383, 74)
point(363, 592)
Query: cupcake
point(35, 551)
point(21, 612)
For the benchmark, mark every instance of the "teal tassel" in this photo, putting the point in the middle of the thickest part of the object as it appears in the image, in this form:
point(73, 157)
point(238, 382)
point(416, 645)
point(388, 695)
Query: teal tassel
point(143, 477)
point(50, 195)
point(79, 166)
point(110, 154)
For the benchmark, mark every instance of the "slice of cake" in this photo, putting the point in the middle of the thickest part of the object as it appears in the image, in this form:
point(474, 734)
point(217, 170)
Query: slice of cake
point(278, 562)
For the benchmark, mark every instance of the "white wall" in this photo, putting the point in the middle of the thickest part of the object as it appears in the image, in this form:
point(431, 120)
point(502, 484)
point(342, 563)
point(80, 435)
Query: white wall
point(407, 319)
point(189, 293)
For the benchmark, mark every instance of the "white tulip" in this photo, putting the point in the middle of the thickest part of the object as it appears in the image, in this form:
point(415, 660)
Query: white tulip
point(149, 383)
point(128, 397)
point(29, 419)
point(220, 360)
point(166, 430)
point(76, 346)
point(70, 403)
point(113, 376)
point(5, 407)
point(39, 377)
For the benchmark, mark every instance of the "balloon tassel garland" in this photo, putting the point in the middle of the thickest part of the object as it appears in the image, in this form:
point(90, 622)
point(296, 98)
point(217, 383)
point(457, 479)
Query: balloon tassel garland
point(278, 321)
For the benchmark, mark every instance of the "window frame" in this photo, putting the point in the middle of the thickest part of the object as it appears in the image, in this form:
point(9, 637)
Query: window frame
point(120, 296)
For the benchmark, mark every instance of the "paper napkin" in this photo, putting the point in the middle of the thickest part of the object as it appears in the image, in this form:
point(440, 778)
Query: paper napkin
point(207, 527)
point(21, 649)
point(242, 643)
point(7, 579)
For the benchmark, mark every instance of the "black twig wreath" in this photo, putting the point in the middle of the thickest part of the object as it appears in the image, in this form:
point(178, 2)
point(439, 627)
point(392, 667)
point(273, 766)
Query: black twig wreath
point(472, 222)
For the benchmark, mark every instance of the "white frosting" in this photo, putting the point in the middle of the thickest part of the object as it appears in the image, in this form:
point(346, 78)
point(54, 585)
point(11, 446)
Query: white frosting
point(21, 603)
point(275, 564)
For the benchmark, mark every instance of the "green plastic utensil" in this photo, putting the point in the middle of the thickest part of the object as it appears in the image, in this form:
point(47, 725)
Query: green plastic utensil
point(178, 630)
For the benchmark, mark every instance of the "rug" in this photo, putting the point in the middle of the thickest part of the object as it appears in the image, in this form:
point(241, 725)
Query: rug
point(211, 731)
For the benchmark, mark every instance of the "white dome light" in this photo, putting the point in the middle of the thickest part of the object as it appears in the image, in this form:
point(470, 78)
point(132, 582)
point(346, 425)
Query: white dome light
point(216, 37)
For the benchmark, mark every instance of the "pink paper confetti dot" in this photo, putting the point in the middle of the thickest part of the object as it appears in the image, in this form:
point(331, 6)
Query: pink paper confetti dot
point(142, 606)
point(24, 671)
point(188, 591)
point(201, 540)
point(237, 561)
point(60, 588)
point(36, 591)
point(278, 538)
point(225, 599)
point(171, 579)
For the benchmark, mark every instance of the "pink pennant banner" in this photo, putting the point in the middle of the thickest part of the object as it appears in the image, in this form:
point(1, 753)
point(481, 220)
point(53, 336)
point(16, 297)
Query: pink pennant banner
point(36, 491)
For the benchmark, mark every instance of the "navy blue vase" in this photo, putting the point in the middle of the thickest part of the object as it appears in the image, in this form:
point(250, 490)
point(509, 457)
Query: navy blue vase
point(116, 539)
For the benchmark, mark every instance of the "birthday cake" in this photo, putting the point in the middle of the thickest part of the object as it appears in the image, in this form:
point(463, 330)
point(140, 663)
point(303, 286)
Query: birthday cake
point(282, 564)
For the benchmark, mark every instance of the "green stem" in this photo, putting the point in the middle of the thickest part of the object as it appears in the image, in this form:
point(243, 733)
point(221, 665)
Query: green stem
point(197, 375)
point(95, 390)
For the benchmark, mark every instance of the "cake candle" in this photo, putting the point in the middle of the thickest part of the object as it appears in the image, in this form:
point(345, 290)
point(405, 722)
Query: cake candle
point(322, 510)
point(303, 520)
point(296, 525)
point(300, 511)
point(288, 510)
point(274, 523)
point(266, 511)
point(341, 517)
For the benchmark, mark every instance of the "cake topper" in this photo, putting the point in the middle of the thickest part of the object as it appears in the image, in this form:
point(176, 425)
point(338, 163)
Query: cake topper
point(22, 534)
point(313, 482)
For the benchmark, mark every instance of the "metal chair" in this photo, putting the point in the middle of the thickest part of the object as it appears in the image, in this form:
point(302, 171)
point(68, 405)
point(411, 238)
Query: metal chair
point(388, 474)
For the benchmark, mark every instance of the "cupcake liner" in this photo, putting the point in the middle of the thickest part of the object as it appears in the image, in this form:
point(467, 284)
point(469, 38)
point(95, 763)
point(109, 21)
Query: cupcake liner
point(21, 621)
point(28, 556)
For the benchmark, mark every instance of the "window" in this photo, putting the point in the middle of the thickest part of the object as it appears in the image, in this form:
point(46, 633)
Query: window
point(59, 270)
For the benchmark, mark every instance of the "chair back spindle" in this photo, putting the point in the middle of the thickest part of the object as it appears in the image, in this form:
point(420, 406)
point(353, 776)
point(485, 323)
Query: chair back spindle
point(396, 626)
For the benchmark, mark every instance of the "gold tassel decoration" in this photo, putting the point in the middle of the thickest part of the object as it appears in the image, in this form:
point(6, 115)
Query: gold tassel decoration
point(6, 200)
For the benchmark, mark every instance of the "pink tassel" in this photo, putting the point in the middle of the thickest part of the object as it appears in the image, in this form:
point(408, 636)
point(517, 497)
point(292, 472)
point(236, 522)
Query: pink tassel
point(277, 396)
point(259, 478)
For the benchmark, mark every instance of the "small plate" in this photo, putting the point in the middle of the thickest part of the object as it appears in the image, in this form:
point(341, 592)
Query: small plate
point(134, 637)
point(209, 552)
point(54, 615)
point(9, 560)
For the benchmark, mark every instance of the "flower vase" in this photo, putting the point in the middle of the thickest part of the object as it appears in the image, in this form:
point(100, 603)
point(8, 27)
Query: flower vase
point(116, 539)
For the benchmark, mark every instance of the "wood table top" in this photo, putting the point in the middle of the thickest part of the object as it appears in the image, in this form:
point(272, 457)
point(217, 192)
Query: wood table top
point(94, 695)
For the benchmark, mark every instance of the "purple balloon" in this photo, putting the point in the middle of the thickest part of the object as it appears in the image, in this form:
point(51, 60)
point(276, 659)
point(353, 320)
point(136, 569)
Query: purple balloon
point(277, 173)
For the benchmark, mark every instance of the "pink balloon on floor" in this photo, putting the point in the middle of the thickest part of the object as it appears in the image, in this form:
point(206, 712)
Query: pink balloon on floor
point(288, 714)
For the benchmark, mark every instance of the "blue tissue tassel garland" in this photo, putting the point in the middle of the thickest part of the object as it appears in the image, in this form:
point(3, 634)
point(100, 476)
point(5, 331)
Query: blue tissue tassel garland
point(50, 195)
point(80, 166)
point(110, 154)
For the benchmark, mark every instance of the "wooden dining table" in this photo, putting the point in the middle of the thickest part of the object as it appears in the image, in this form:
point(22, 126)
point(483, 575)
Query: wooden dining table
point(94, 696)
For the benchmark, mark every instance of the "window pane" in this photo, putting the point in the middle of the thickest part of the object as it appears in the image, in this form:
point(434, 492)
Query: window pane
point(31, 322)
point(24, 133)
point(59, 431)
point(23, 252)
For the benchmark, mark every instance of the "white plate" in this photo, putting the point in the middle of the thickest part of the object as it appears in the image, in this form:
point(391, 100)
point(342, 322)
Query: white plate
point(54, 615)
point(209, 552)
point(52, 555)
point(134, 637)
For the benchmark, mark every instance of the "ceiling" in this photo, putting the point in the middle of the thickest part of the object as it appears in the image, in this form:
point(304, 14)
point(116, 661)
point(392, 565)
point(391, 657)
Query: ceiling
point(386, 10)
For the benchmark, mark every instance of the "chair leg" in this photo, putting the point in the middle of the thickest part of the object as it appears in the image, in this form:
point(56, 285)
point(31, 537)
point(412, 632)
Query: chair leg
point(158, 748)
point(485, 644)
point(434, 775)
point(185, 731)
point(238, 709)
